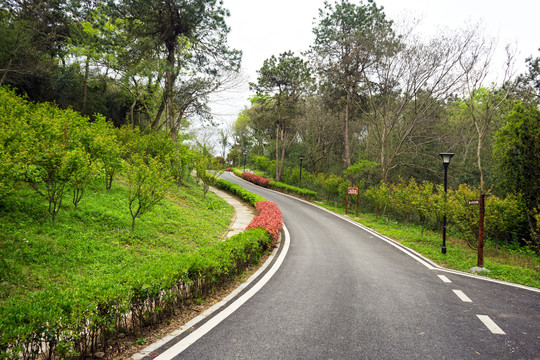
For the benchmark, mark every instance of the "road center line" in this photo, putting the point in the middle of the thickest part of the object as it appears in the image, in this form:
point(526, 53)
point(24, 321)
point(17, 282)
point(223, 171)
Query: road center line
point(460, 294)
point(444, 279)
point(490, 324)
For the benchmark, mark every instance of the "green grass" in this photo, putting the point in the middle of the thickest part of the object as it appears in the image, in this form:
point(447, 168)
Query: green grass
point(521, 266)
point(94, 242)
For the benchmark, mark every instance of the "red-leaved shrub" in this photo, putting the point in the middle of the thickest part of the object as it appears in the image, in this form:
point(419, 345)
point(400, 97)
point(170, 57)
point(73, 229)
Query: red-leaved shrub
point(256, 179)
point(269, 218)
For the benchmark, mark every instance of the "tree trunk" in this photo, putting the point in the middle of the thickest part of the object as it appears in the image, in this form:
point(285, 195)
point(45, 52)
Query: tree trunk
point(346, 151)
point(277, 152)
point(85, 82)
point(479, 160)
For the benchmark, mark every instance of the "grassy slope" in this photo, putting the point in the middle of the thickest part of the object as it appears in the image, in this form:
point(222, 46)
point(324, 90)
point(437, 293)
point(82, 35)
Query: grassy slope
point(94, 242)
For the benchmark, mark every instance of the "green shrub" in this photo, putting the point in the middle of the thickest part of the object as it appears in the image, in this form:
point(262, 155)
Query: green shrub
point(304, 193)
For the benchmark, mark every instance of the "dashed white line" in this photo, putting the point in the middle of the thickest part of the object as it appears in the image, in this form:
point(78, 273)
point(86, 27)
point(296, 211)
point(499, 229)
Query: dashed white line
point(460, 294)
point(490, 324)
point(444, 279)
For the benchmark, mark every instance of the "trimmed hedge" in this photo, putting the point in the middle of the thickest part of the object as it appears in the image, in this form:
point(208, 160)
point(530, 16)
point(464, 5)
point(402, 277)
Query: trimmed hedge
point(256, 179)
point(239, 191)
point(72, 323)
point(289, 189)
point(269, 218)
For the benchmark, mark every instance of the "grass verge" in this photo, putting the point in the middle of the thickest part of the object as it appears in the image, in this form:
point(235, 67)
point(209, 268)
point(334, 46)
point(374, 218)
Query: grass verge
point(520, 266)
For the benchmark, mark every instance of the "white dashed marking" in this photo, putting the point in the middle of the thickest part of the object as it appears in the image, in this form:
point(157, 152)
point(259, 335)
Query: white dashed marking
point(444, 279)
point(490, 324)
point(460, 294)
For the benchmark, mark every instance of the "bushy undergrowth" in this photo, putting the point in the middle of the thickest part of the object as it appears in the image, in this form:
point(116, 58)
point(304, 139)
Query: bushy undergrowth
point(72, 322)
point(424, 204)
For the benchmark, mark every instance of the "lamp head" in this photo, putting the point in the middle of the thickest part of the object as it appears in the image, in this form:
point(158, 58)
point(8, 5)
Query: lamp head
point(301, 157)
point(446, 157)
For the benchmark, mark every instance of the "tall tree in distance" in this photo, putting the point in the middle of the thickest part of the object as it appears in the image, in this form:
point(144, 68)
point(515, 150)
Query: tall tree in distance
point(189, 35)
point(483, 103)
point(349, 39)
point(280, 84)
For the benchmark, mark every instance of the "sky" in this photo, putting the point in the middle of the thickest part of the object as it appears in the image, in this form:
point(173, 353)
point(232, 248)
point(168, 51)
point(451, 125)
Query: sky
point(262, 28)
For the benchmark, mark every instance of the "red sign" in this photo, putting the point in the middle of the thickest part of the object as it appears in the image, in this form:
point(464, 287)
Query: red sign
point(352, 190)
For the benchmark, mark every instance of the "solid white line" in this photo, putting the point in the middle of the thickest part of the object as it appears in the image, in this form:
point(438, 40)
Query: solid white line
point(444, 279)
point(462, 296)
point(490, 324)
point(200, 332)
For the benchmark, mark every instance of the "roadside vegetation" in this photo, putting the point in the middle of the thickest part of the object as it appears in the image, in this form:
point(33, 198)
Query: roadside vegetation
point(105, 230)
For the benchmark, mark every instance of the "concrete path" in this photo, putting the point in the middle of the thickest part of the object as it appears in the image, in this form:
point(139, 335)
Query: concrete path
point(243, 213)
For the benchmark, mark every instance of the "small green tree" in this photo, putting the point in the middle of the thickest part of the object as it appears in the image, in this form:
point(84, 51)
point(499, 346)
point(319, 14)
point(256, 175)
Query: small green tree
point(207, 169)
point(147, 184)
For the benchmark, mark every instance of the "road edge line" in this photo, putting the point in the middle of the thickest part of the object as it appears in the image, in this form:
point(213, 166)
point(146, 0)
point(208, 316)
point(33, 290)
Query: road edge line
point(227, 310)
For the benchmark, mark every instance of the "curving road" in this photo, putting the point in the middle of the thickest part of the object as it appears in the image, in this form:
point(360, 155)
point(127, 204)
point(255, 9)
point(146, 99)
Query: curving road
point(343, 292)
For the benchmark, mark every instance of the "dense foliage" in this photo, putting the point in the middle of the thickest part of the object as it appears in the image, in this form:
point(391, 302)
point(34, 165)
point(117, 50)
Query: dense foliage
point(151, 64)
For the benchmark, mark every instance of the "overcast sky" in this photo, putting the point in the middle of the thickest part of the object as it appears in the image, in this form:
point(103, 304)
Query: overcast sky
point(262, 28)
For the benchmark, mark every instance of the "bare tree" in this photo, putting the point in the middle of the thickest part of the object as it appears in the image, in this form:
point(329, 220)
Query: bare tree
point(483, 103)
point(405, 91)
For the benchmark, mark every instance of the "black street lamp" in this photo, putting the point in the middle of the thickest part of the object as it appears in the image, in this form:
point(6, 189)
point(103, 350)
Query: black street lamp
point(446, 161)
point(301, 157)
point(245, 155)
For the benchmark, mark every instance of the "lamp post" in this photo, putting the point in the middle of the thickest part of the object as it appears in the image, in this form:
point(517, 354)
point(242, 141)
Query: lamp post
point(446, 161)
point(245, 155)
point(301, 157)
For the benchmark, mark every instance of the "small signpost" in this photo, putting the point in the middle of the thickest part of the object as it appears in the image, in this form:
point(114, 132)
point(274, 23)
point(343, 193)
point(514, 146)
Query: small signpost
point(480, 202)
point(352, 191)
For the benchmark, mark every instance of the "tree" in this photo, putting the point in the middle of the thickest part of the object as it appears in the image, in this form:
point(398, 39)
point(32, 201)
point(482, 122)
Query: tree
point(528, 84)
point(321, 135)
point(280, 84)
point(483, 105)
point(207, 168)
point(517, 152)
point(349, 39)
point(405, 91)
point(190, 35)
point(147, 185)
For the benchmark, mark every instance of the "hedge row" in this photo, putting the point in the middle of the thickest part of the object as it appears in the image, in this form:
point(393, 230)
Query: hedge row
point(256, 179)
point(289, 189)
point(269, 218)
point(239, 191)
point(65, 324)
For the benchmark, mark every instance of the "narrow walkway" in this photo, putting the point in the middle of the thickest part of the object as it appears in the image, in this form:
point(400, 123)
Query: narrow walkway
point(243, 212)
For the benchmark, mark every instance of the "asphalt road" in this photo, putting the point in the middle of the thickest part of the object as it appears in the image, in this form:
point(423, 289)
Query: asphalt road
point(342, 292)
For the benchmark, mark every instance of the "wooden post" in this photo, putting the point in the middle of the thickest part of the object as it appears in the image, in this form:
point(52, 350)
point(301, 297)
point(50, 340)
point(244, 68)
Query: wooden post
point(481, 233)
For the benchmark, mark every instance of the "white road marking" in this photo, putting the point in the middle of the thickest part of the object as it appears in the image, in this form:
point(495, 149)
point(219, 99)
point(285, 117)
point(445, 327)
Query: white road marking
point(490, 324)
point(200, 332)
point(460, 294)
point(444, 279)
